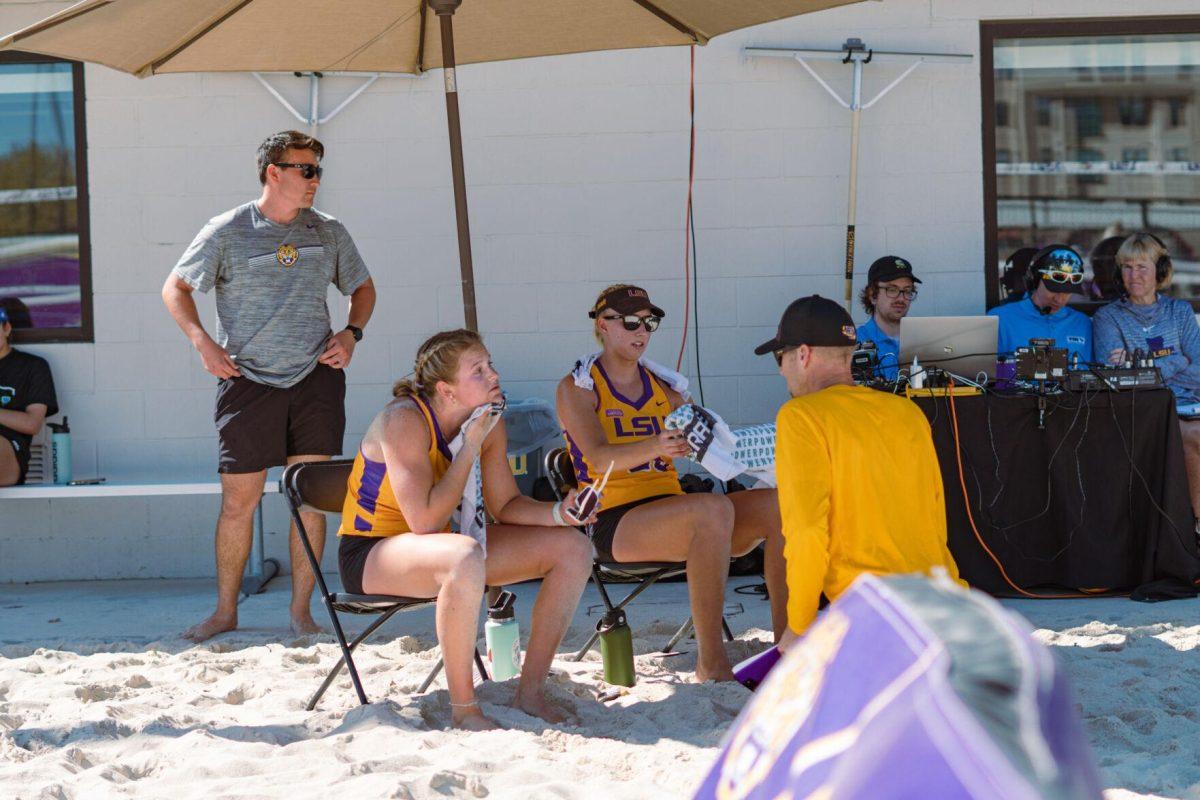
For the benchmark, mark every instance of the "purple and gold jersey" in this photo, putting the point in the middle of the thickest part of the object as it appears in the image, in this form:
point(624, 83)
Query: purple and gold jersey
point(371, 508)
point(626, 421)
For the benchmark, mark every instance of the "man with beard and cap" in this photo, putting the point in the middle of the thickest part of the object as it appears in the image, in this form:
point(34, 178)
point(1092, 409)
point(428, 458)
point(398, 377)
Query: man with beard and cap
point(859, 485)
point(887, 297)
point(1055, 273)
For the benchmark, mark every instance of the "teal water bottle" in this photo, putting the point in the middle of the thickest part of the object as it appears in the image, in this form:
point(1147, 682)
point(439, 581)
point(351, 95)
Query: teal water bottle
point(60, 451)
point(616, 648)
point(503, 638)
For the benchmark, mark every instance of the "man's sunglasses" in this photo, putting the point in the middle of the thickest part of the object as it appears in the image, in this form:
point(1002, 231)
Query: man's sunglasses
point(779, 354)
point(307, 171)
point(1059, 276)
point(632, 322)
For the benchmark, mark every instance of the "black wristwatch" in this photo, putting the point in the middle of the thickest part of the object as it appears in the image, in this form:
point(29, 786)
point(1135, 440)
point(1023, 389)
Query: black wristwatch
point(356, 332)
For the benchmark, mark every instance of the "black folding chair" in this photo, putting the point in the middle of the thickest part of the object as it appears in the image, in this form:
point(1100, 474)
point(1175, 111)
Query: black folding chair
point(321, 486)
point(645, 574)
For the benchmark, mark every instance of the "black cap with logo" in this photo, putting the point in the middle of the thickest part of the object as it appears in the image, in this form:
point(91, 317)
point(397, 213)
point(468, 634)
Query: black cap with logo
point(815, 321)
point(626, 300)
point(889, 268)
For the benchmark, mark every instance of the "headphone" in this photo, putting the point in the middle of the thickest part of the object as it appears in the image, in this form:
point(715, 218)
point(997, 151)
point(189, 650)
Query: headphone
point(1162, 266)
point(1032, 275)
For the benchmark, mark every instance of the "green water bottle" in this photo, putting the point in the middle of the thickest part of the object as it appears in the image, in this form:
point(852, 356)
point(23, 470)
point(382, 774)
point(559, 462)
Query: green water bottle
point(616, 648)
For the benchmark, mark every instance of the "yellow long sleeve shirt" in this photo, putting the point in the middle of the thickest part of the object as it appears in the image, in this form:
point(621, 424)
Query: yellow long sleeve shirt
point(859, 491)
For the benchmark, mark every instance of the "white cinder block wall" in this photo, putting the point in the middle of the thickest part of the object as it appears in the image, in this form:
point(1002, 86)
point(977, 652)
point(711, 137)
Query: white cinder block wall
point(577, 171)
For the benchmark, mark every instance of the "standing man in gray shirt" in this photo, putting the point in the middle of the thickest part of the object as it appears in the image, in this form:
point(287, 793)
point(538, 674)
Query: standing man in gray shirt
point(282, 389)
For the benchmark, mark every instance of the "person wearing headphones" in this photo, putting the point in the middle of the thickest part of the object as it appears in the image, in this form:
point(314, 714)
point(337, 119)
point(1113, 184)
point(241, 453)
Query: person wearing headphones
point(1016, 275)
point(1162, 327)
point(1055, 273)
point(889, 294)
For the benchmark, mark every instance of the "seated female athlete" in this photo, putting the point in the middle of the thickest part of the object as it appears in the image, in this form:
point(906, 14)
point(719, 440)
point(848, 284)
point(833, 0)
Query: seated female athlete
point(395, 536)
point(646, 515)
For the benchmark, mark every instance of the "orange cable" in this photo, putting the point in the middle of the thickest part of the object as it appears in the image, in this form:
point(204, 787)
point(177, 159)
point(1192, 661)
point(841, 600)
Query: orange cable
point(971, 518)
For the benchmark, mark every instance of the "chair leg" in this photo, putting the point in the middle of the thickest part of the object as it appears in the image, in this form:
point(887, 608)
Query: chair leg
point(725, 627)
point(437, 668)
point(608, 604)
point(679, 634)
point(346, 659)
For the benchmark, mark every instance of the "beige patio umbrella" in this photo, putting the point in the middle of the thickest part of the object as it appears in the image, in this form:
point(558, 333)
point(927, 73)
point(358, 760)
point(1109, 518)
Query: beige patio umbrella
point(150, 37)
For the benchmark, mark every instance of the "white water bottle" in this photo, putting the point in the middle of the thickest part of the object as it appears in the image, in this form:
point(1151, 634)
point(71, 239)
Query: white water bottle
point(503, 638)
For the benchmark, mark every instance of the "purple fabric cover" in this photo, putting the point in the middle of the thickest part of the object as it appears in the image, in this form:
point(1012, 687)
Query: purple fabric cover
point(864, 708)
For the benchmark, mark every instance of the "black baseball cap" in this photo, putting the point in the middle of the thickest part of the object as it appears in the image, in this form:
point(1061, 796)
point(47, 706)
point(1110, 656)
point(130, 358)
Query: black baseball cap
point(625, 300)
point(888, 268)
point(815, 321)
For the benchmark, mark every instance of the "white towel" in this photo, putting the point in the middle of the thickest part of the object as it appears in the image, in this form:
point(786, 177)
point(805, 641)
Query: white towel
point(726, 452)
point(582, 375)
point(470, 516)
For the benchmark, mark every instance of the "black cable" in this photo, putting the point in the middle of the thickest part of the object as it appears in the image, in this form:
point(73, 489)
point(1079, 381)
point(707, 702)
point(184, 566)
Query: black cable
point(696, 289)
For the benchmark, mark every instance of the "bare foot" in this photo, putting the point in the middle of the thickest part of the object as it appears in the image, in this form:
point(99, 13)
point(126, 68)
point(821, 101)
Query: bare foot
point(472, 719)
point(719, 672)
point(304, 625)
point(215, 624)
point(535, 704)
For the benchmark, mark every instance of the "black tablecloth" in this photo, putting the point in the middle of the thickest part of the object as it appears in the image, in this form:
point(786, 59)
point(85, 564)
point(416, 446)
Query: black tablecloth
point(1064, 506)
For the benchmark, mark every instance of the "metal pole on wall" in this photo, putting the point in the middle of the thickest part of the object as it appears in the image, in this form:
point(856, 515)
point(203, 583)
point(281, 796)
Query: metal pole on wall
point(445, 11)
point(853, 52)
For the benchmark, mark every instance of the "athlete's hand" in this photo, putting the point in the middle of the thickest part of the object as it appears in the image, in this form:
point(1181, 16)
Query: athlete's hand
point(1116, 356)
point(218, 362)
point(339, 349)
point(672, 444)
point(788, 639)
point(478, 429)
point(568, 503)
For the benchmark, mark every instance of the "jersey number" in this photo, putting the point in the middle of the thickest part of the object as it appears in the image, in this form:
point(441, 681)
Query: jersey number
point(657, 465)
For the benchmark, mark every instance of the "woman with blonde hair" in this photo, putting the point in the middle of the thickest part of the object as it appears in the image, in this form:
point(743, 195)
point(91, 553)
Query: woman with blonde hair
point(612, 407)
point(1162, 327)
point(406, 483)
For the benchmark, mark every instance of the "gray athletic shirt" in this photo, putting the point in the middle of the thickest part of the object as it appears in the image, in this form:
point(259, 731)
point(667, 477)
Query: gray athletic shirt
point(271, 284)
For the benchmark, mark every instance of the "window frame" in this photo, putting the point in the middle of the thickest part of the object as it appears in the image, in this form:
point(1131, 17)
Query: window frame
point(85, 332)
point(989, 32)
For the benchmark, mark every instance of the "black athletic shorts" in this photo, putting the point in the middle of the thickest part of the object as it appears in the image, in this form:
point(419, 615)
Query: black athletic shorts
point(352, 560)
point(22, 454)
point(260, 426)
point(602, 531)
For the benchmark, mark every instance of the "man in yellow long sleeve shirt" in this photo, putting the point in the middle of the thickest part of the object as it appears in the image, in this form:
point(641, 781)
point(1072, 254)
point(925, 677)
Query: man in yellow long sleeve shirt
point(859, 484)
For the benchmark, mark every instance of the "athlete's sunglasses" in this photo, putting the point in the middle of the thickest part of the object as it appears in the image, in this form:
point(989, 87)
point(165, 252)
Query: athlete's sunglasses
point(780, 353)
point(307, 171)
point(1059, 276)
point(632, 322)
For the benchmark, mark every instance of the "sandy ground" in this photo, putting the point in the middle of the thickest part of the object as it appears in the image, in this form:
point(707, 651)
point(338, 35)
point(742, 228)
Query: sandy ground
point(99, 698)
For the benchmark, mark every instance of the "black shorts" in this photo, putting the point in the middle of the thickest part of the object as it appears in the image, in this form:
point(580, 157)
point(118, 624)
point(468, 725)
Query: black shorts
point(352, 560)
point(602, 531)
point(22, 454)
point(259, 426)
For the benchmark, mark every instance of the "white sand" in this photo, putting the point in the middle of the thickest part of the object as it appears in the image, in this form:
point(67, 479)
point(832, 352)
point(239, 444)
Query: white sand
point(115, 707)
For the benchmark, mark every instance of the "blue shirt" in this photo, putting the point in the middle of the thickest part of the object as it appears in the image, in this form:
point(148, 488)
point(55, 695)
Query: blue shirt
point(886, 348)
point(1167, 330)
point(1021, 321)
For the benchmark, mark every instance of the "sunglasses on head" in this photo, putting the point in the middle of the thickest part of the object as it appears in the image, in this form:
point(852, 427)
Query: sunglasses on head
point(1059, 276)
point(632, 322)
point(307, 171)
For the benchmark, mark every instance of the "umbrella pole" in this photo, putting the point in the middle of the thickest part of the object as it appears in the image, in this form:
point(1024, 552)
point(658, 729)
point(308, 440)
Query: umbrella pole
point(445, 12)
point(852, 202)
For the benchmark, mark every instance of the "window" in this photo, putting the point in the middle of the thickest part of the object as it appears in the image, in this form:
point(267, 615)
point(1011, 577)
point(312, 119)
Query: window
point(1105, 144)
point(45, 275)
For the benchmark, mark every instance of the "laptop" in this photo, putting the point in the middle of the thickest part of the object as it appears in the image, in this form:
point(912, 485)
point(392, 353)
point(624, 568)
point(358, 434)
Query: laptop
point(963, 345)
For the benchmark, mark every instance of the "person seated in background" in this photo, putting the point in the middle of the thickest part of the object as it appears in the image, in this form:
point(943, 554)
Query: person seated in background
point(887, 297)
point(408, 478)
point(1162, 327)
point(1106, 274)
point(618, 420)
point(26, 399)
point(1016, 270)
point(1055, 273)
point(860, 489)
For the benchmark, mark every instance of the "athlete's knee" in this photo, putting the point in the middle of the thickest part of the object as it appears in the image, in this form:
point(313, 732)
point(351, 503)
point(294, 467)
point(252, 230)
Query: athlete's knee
point(464, 562)
point(574, 552)
point(712, 515)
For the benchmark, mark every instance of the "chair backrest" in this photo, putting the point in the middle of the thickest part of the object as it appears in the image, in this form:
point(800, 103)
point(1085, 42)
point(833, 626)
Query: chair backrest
point(560, 471)
point(318, 485)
